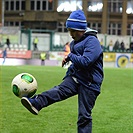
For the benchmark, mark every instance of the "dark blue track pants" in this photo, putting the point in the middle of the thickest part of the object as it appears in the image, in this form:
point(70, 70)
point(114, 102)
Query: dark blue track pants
point(68, 88)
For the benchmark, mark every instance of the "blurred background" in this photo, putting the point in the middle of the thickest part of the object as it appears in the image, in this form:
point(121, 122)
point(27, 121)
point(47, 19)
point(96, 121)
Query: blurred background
point(21, 21)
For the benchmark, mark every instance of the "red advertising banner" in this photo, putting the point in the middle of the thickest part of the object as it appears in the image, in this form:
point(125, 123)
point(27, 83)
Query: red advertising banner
point(17, 54)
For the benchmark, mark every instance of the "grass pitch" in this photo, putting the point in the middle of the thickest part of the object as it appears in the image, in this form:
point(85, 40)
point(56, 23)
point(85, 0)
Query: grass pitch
point(111, 114)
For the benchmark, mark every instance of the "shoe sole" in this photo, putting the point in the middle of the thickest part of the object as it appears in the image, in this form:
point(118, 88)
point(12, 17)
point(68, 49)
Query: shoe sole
point(26, 103)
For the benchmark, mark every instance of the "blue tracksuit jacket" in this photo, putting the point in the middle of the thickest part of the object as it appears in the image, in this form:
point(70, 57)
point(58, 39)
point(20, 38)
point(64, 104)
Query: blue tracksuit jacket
point(87, 61)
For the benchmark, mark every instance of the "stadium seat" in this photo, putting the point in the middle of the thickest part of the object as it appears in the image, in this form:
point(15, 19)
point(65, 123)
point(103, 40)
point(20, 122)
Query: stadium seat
point(24, 47)
point(20, 47)
point(16, 47)
point(12, 47)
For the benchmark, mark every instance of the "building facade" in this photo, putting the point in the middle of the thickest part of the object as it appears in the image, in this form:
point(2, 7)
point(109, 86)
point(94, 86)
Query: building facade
point(113, 17)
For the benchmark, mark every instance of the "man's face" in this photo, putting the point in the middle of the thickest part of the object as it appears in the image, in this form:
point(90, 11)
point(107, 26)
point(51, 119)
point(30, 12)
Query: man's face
point(75, 34)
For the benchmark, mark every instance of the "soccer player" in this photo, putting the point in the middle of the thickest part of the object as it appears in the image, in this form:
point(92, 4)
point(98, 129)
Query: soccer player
point(84, 76)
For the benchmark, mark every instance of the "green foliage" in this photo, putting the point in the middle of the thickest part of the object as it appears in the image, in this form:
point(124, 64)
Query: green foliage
point(111, 114)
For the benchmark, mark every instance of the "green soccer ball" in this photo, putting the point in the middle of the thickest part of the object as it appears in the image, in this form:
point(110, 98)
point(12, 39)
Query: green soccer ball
point(24, 85)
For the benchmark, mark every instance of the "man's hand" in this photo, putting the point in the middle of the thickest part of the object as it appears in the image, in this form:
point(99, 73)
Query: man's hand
point(65, 60)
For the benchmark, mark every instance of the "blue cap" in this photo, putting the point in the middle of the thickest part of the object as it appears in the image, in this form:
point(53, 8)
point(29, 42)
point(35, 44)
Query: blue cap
point(77, 21)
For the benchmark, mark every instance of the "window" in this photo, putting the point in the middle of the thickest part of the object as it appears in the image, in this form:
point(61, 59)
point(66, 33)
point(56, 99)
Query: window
point(32, 5)
point(129, 7)
point(96, 26)
point(11, 23)
point(7, 5)
point(95, 5)
point(61, 27)
point(130, 29)
point(44, 5)
point(15, 23)
point(114, 29)
point(38, 5)
point(17, 5)
point(50, 5)
point(14, 5)
point(68, 6)
point(23, 5)
point(41, 5)
point(115, 5)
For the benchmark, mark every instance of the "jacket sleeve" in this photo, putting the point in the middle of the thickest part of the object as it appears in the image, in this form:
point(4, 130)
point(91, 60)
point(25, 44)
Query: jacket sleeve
point(91, 52)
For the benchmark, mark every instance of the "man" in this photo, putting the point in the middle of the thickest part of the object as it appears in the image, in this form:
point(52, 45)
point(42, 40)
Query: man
point(43, 57)
point(8, 43)
point(84, 76)
point(35, 42)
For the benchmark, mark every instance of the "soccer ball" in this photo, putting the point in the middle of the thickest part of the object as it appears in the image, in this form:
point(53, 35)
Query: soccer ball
point(24, 84)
